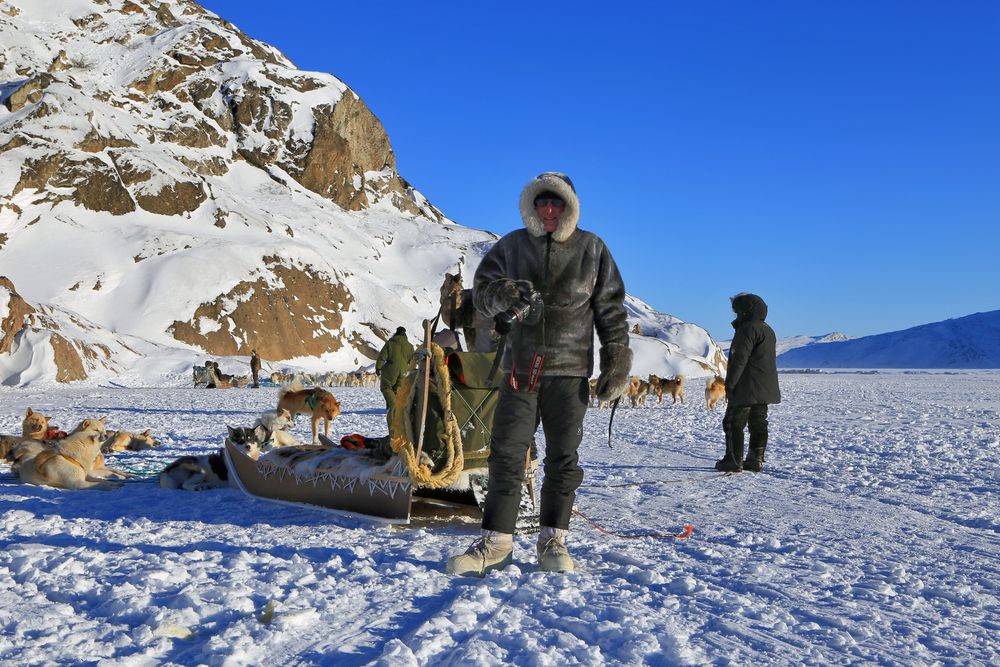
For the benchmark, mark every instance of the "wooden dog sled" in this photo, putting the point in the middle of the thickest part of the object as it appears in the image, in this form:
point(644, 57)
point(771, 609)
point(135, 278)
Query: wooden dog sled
point(330, 478)
point(443, 396)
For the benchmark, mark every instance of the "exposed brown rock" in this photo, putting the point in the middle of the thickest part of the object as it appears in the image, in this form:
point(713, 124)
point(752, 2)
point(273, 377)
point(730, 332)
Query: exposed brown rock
point(60, 63)
point(69, 365)
point(95, 184)
point(211, 166)
point(18, 312)
point(281, 323)
point(94, 142)
point(192, 132)
point(256, 111)
point(164, 15)
point(166, 76)
point(131, 8)
point(348, 140)
point(30, 92)
point(173, 199)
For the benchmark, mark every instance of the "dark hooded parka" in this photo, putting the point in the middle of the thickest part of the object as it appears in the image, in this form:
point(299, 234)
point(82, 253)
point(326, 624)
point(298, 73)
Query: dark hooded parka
point(752, 374)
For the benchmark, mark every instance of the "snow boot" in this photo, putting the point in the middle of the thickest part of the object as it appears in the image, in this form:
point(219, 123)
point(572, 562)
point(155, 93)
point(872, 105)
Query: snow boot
point(492, 551)
point(758, 443)
point(755, 459)
point(733, 460)
point(552, 553)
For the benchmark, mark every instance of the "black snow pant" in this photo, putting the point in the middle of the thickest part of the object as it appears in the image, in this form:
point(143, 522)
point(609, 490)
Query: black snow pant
point(560, 404)
point(735, 420)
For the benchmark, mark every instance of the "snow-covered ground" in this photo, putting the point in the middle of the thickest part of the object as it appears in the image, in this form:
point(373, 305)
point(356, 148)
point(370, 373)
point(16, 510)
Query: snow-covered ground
point(872, 537)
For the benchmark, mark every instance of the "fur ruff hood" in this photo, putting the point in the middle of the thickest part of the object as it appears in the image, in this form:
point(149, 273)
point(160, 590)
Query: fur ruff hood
point(551, 181)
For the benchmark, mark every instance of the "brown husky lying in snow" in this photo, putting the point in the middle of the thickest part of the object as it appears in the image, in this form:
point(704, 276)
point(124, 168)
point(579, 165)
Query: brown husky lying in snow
point(75, 462)
point(121, 441)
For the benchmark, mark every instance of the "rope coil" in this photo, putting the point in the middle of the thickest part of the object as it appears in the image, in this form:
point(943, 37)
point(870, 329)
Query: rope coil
point(402, 436)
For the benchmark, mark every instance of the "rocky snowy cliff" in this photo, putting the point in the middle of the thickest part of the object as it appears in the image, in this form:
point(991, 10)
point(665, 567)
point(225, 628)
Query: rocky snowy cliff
point(174, 187)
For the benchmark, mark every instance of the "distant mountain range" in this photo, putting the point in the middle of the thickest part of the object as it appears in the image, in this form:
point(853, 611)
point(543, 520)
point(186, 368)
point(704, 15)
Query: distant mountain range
point(972, 341)
point(792, 342)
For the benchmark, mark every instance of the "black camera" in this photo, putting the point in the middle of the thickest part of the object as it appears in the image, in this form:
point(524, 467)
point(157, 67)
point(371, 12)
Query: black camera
point(529, 304)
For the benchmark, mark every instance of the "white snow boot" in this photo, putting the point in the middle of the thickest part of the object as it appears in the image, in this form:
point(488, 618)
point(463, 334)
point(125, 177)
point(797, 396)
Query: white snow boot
point(492, 551)
point(552, 553)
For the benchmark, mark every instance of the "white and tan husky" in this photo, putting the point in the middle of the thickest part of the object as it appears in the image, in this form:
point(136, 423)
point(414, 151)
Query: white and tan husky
point(75, 462)
point(275, 424)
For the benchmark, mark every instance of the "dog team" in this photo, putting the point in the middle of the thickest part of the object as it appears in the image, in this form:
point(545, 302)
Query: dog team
point(46, 456)
point(638, 390)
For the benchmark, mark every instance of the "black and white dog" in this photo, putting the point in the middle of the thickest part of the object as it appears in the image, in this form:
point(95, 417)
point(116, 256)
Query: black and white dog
point(208, 471)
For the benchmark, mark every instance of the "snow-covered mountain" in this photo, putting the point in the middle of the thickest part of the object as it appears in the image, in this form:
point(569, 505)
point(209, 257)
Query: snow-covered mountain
point(792, 342)
point(965, 342)
point(171, 189)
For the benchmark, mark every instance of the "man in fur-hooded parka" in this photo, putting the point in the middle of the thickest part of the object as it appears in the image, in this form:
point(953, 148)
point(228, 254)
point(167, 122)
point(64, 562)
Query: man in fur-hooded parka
point(751, 384)
point(581, 290)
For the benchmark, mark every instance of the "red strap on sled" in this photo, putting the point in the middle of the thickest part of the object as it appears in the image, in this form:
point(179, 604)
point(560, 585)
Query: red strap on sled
point(353, 441)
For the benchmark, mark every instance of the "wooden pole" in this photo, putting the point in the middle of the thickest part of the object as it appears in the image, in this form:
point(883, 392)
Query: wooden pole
point(427, 384)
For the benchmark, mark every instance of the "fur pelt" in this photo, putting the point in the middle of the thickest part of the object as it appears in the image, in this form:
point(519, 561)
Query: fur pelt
point(616, 364)
point(559, 184)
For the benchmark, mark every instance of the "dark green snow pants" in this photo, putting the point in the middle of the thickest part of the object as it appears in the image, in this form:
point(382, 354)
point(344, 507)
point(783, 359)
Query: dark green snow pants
point(560, 404)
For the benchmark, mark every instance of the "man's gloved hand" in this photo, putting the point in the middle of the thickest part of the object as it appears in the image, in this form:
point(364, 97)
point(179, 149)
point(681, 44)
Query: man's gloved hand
point(616, 365)
point(504, 293)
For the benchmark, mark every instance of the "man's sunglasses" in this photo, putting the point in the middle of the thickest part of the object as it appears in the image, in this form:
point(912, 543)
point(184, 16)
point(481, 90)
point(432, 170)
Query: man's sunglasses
point(554, 203)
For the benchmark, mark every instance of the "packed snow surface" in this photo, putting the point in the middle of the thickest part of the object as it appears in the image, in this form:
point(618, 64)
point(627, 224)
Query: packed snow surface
point(871, 537)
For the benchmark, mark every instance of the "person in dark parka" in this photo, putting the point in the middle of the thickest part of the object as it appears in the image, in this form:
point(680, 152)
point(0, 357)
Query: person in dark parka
point(255, 368)
point(751, 384)
point(547, 360)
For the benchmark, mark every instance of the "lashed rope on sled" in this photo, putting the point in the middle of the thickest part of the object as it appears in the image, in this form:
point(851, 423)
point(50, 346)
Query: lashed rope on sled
point(402, 427)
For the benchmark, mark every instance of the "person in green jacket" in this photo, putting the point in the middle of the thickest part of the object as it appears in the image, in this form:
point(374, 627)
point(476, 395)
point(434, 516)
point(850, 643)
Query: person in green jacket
point(392, 362)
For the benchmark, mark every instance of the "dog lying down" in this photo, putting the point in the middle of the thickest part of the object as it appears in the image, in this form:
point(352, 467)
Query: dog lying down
point(275, 424)
point(75, 462)
point(123, 441)
point(209, 471)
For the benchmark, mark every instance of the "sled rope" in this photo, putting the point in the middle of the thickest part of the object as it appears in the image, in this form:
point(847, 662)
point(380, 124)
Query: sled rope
point(683, 535)
point(402, 428)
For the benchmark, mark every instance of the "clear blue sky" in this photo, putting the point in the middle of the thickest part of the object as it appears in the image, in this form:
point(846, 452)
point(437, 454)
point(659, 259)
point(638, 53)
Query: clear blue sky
point(841, 159)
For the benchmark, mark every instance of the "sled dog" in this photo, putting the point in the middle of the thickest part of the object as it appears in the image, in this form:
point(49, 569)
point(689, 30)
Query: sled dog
point(715, 389)
point(208, 471)
point(593, 396)
point(121, 441)
point(316, 402)
point(662, 385)
point(14, 449)
point(35, 425)
point(637, 391)
point(275, 424)
point(75, 462)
